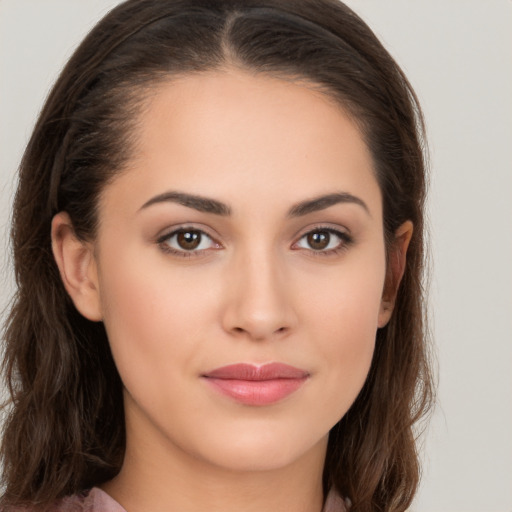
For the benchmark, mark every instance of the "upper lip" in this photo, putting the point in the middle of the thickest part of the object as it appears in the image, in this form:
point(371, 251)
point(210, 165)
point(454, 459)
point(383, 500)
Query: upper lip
point(252, 372)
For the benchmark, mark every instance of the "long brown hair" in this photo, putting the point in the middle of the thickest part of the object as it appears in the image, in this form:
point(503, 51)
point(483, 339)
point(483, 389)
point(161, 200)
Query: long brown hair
point(65, 427)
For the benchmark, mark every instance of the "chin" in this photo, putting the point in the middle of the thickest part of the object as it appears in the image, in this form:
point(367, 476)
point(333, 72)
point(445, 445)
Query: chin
point(265, 449)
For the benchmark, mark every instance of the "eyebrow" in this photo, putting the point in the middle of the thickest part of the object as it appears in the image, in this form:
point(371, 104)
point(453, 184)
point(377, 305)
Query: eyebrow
point(322, 202)
point(208, 205)
point(202, 204)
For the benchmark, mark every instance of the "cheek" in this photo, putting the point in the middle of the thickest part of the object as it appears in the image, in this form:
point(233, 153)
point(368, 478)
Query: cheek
point(150, 317)
point(346, 303)
point(344, 322)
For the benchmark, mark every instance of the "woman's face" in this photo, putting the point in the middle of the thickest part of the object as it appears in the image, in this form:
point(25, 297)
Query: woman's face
point(247, 231)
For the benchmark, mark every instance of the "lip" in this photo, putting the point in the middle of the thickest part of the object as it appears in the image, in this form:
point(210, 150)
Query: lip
point(251, 384)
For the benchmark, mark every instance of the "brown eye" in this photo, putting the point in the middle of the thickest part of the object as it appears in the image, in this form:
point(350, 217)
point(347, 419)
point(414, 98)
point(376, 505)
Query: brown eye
point(324, 241)
point(318, 240)
point(188, 240)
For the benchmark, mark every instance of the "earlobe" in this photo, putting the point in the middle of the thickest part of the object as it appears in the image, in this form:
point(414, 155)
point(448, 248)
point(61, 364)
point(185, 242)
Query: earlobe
point(77, 267)
point(395, 271)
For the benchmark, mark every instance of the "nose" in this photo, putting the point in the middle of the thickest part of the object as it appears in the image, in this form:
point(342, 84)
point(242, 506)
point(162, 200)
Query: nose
point(259, 298)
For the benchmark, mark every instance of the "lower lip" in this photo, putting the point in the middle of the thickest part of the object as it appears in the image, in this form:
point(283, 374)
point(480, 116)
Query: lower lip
point(256, 392)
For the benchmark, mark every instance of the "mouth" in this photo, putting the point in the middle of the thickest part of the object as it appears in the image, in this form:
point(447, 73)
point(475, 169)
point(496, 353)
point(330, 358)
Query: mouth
point(256, 385)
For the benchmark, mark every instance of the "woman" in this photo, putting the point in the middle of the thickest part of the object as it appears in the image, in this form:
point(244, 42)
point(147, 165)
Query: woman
point(218, 240)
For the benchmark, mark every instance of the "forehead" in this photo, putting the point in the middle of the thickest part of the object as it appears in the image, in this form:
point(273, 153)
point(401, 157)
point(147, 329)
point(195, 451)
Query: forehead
point(231, 134)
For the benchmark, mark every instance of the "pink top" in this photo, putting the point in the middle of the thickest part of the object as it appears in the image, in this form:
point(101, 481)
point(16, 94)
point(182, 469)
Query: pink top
point(97, 500)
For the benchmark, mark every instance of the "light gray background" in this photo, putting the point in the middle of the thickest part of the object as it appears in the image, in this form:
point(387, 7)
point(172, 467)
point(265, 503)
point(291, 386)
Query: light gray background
point(458, 56)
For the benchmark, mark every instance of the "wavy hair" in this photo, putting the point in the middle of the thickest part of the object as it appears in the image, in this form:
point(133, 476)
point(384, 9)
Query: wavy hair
point(64, 430)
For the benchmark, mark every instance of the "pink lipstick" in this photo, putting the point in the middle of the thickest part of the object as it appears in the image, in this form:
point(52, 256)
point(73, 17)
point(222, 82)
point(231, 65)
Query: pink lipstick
point(256, 385)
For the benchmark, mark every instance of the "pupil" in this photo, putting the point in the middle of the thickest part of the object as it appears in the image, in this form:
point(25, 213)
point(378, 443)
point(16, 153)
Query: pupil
point(319, 240)
point(189, 240)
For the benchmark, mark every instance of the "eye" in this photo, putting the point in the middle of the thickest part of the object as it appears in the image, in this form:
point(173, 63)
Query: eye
point(187, 240)
point(324, 240)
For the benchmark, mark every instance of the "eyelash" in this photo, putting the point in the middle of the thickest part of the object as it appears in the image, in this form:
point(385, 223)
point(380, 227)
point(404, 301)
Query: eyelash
point(164, 241)
point(345, 241)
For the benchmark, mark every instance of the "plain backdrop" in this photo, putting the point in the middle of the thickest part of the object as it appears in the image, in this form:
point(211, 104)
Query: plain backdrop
point(458, 56)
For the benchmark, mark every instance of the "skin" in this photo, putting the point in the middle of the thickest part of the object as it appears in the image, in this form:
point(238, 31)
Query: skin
point(255, 291)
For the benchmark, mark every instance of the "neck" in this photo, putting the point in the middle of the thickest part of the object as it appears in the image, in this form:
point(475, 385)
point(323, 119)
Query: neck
point(172, 480)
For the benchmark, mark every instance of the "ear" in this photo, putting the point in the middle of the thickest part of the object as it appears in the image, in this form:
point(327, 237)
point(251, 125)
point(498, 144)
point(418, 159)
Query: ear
point(77, 267)
point(395, 271)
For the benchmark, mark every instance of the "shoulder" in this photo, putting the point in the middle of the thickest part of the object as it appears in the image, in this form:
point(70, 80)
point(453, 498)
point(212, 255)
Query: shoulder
point(97, 500)
point(94, 500)
point(335, 503)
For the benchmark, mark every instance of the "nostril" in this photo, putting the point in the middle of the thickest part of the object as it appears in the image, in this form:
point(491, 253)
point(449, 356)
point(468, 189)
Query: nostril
point(255, 334)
